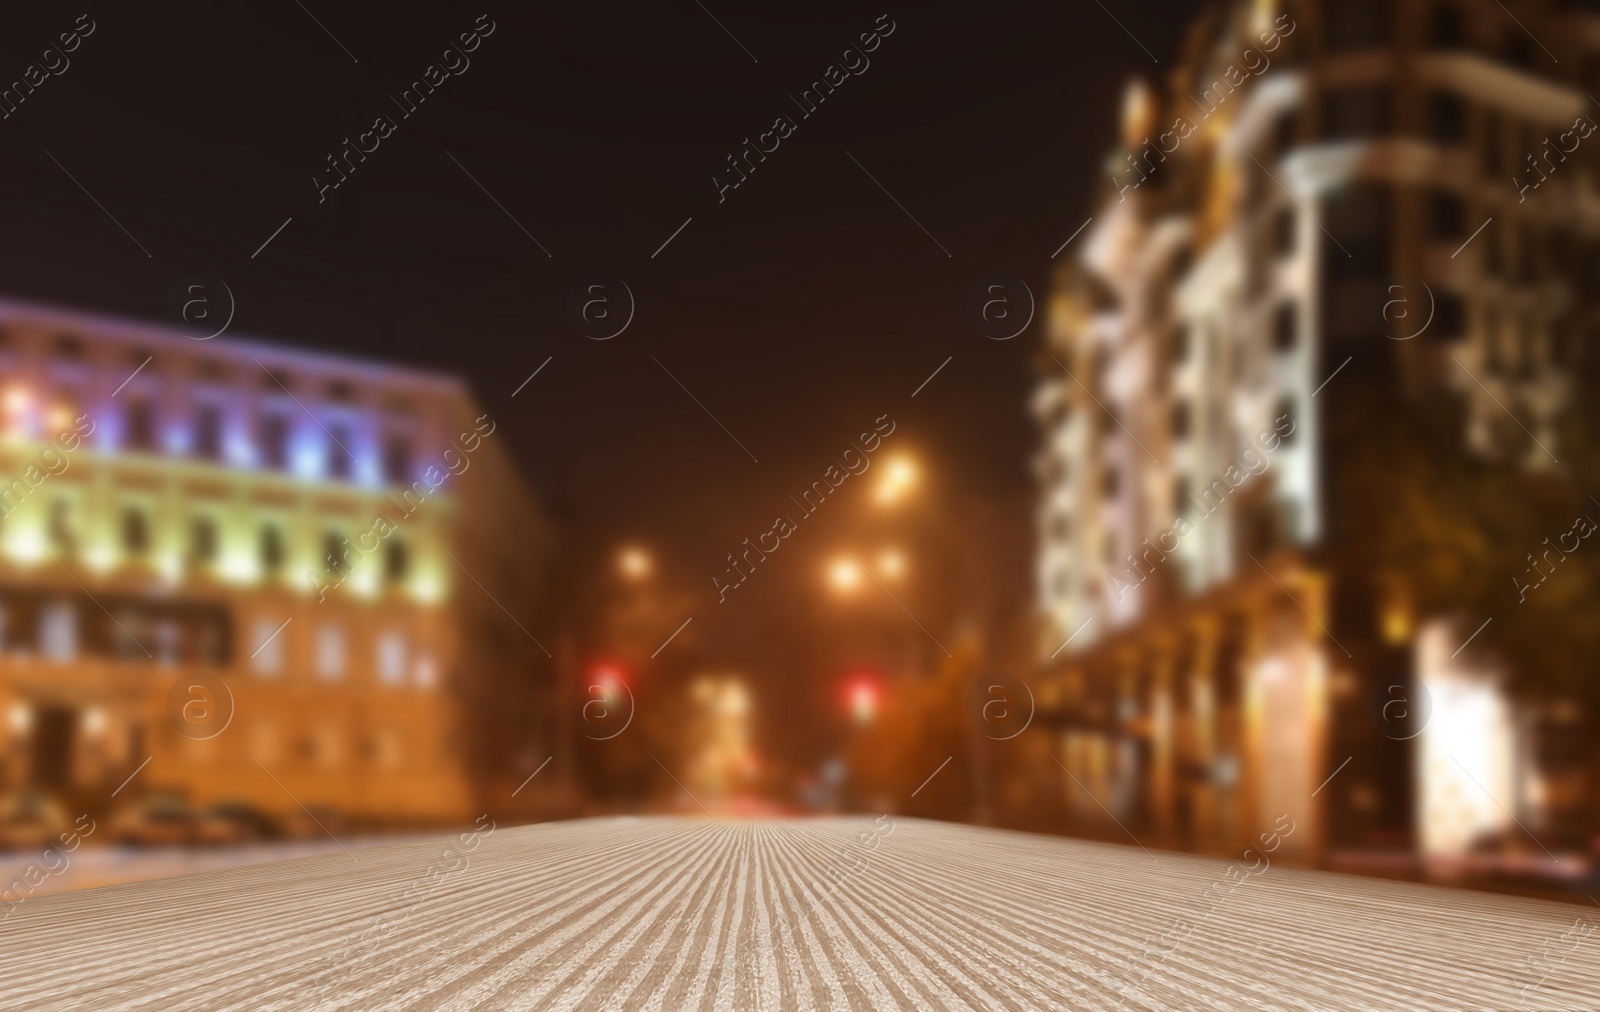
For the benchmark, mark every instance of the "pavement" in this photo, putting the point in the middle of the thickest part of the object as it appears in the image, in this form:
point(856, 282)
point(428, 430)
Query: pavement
point(93, 865)
point(676, 913)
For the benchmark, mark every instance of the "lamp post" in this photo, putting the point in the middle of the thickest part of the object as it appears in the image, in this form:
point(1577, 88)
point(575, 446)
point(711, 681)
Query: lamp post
point(901, 491)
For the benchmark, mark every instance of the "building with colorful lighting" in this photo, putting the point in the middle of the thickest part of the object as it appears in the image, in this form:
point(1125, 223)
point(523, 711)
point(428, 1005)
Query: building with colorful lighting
point(252, 574)
point(1287, 240)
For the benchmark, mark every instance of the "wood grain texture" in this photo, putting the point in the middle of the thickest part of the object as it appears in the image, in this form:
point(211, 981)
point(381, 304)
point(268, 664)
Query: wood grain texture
point(669, 913)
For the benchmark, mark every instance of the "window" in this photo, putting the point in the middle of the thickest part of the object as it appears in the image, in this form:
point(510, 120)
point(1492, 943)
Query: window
point(1052, 470)
point(63, 528)
point(135, 531)
point(1447, 215)
point(1491, 339)
point(1356, 24)
point(1180, 420)
point(330, 652)
point(275, 442)
point(391, 658)
point(1060, 527)
point(203, 540)
point(1526, 143)
point(1350, 113)
point(1285, 326)
point(1284, 407)
point(212, 644)
point(141, 422)
point(1445, 30)
point(339, 459)
point(1493, 254)
point(1526, 327)
point(1180, 343)
point(208, 432)
point(1058, 413)
point(334, 554)
point(1447, 118)
point(1359, 215)
point(1493, 144)
point(1519, 50)
point(395, 562)
point(271, 547)
point(165, 639)
point(1285, 131)
point(397, 459)
point(1529, 267)
point(1449, 316)
point(267, 654)
point(1182, 260)
point(1283, 231)
point(58, 631)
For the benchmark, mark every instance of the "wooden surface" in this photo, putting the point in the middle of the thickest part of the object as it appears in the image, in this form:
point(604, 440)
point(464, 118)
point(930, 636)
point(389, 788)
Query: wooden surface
point(678, 913)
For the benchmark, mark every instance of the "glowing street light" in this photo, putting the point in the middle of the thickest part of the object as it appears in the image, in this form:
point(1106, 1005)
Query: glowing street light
point(634, 563)
point(862, 696)
point(899, 477)
point(60, 419)
point(606, 678)
point(892, 564)
point(845, 575)
point(18, 400)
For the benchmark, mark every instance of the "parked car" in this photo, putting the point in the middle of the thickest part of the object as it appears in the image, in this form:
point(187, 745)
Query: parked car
point(157, 820)
point(30, 820)
point(235, 822)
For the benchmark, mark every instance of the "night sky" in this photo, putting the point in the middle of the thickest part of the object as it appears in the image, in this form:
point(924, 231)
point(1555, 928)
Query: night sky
point(798, 310)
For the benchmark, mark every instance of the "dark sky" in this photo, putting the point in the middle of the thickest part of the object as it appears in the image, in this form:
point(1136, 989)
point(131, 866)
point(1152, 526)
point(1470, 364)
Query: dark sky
point(796, 311)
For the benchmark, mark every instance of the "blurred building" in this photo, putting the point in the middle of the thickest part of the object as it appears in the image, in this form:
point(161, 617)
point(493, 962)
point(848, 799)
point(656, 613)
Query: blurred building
point(261, 523)
point(1295, 205)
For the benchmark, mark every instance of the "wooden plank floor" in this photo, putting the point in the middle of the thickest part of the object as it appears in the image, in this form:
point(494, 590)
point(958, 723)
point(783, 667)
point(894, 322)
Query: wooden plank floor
point(676, 913)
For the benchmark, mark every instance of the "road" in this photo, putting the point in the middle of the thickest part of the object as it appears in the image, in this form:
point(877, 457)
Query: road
point(674, 913)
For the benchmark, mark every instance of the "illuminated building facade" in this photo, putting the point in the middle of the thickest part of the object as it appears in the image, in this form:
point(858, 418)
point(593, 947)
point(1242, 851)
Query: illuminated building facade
point(281, 521)
point(1273, 204)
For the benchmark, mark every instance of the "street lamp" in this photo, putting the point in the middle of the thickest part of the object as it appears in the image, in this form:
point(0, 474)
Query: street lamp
point(892, 564)
point(900, 475)
point(845, 575)
point(18, 400)
point(862, 697)
point(634, 562)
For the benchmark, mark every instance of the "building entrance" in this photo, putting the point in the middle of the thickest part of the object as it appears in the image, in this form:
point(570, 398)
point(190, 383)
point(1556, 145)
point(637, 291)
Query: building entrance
point(54, 729)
